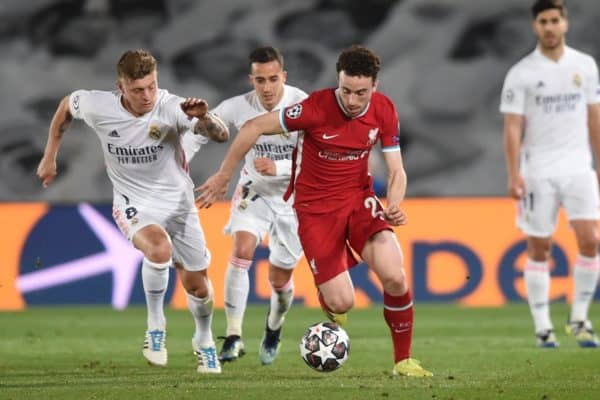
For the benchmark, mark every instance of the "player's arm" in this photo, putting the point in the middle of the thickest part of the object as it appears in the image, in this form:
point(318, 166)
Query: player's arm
point(207, 124)
point(513, 129)
point(215, 187)
point(396, 188)
point(212, 127)
point(61, 121)
point(594, 129)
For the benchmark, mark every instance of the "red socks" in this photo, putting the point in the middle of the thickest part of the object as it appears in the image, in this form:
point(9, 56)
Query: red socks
point(398, 313)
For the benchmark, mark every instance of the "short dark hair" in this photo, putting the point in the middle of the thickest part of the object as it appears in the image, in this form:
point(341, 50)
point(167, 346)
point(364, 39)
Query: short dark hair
point(543, 5)
point(358, 61)
point(265, 54)
point(136, 64)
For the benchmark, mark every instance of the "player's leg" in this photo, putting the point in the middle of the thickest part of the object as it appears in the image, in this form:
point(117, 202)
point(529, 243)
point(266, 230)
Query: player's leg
point(323, 238)
point(154, 243)
point(192, 259)
point(537, 281)
point(144, 229)
point(285, 251)
point(585, 279)
point(582, 203)
point(537, 219)
point(383, 255)
point(237, 287)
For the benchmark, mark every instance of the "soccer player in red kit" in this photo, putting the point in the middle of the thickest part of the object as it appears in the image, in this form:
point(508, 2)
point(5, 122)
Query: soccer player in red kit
point(337, 210)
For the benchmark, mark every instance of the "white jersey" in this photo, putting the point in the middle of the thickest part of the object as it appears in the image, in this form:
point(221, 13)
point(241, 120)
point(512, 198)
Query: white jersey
point(235, 112)
point(143, 155)
point(553, 97)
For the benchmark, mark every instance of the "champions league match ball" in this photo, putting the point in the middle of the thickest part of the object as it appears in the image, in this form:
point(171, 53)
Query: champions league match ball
point(325, 346)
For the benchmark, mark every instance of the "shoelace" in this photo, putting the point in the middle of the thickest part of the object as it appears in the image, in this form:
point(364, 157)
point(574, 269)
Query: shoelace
point(210, 355)
point(156, 339)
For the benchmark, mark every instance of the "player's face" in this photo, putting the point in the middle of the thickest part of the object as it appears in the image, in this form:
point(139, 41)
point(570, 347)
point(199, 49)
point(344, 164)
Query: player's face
point(139, 95)
point(550, 27)
point(268, 80)
point(355, 92)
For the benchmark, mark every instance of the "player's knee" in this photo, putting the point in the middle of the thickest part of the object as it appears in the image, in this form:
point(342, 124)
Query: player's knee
point(589, 246)
point(340, 304)
point(159, 252)
point(196, 284)
point(279, 277)
point(395, 284)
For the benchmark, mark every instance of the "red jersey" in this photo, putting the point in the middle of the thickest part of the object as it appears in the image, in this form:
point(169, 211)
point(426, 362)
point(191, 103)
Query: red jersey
point(330, 163)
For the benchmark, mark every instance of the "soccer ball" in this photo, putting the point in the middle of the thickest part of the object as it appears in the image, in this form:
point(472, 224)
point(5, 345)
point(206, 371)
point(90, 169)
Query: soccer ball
point(325, 346)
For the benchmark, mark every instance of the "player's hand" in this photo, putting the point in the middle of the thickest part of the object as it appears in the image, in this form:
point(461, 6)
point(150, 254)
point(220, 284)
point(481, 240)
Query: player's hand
point(212, 190)
point(265, 166)
point(194, 107)
point(46, 171)
point(516, 187)
point(395, 216)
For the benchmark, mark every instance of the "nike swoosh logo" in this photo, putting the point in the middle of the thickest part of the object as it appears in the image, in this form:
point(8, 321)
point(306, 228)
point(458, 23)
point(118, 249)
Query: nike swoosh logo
point(326, 136)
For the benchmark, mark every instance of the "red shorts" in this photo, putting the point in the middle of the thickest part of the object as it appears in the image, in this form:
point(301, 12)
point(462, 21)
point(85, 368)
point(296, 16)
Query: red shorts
point(328, 239)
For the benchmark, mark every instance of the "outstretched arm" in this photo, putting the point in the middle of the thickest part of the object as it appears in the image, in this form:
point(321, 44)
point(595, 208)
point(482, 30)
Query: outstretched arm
point(46, 170)
point(215, 187)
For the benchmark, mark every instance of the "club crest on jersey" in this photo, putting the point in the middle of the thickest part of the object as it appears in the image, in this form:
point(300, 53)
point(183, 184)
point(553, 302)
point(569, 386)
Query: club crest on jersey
point(154, 132)
point(577, 80)
point(294, 111)
point(373, 136)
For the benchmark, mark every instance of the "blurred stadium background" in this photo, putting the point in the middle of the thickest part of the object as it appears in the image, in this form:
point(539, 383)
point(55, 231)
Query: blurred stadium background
point(443, 65)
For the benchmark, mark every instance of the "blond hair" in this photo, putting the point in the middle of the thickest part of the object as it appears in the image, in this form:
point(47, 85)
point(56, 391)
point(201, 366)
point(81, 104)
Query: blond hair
point(135, 64)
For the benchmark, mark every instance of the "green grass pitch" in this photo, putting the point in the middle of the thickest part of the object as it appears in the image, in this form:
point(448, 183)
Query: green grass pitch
point(95, 353)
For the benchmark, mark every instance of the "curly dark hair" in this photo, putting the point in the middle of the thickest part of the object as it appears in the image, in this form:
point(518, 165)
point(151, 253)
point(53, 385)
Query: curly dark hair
point(358, 61)
point(543, 5)
point(136, 64)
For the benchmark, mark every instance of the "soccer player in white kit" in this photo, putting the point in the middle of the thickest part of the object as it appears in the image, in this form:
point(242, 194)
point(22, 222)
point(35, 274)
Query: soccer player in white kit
point(550, 102)
point(140, 128)
point(257, 207)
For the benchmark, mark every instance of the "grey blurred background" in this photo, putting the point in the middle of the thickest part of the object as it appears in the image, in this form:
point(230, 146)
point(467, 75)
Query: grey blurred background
point(443, 64)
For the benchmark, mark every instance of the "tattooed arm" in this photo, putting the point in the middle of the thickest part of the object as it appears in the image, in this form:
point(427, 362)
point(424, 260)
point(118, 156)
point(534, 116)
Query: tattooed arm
point(61, 121)
point(212, 127)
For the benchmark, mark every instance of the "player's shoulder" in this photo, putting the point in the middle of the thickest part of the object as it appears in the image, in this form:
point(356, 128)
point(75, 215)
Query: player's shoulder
point(164, 97)
point(579, 57)
point(528, 61)
point(294, 94)
point(322, 95)
point(382, 103)
point(96, 95)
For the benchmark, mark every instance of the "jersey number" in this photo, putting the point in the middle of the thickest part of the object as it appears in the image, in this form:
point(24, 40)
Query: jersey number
point(130, 212)
point(372, 203)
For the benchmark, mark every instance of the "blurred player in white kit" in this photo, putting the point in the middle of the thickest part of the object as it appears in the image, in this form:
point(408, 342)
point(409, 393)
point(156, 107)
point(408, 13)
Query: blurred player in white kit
point(257, 207)
point(140, 128)
point(550, 102)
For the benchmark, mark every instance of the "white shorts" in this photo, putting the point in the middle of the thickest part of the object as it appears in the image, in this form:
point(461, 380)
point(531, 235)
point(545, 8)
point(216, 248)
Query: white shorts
point(538, 209)
point(182, 226)
point(261, 216)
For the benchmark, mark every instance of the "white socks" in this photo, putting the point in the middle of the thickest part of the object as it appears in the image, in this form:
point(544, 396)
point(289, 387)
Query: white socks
point(237, 286)
point(585, 278)
point(537, 280)
point(155, 278)
point(202, 311)
point(281, 301)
